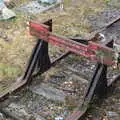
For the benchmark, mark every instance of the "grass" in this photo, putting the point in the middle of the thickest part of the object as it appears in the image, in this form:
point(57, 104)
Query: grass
point(73, 20)
point(10, 71)
point(15, 52)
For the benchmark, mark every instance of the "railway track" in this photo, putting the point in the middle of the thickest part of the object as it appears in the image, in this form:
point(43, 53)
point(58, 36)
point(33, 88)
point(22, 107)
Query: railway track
point(56, 95)
point(56, 92)
point(62, 84)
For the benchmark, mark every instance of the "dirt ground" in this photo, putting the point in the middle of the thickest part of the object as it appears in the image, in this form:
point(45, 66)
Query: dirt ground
point(79, 18)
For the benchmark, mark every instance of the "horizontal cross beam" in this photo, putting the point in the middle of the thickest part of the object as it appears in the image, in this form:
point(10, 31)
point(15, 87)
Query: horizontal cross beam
point(92, 51)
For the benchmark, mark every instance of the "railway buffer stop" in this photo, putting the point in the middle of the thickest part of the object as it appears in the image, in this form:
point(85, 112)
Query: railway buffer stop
point(39, 61)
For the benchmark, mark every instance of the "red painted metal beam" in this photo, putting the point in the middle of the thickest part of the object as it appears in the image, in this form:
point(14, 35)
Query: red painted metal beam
point(92, 51)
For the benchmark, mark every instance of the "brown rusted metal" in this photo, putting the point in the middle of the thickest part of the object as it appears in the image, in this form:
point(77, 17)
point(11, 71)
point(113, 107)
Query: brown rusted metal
point(90, 51)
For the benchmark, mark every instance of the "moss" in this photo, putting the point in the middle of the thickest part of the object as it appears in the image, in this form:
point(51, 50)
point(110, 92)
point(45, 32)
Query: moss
point(70, 102)
point(9, 71)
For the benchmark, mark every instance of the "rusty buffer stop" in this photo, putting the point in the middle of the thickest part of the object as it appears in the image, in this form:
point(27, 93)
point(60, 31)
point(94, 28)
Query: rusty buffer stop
point(39, 61)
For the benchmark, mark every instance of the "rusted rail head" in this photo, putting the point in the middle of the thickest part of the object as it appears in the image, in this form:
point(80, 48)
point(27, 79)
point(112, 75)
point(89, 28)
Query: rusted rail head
point(92, 51)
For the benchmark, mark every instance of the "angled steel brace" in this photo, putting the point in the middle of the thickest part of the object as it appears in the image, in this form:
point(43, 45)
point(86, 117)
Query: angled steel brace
point(39, 60)
point(98, 86)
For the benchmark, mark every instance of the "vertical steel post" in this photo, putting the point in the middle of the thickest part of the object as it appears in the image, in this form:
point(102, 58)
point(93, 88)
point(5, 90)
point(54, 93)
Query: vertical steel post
point(98, 84)
point(39, 60)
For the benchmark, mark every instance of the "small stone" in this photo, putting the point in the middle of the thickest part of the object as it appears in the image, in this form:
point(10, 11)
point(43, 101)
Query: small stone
point(105, 118)
point(7, 13)
point(48, 1)
point(65, 113)
point(92, 67)
point(1, 116)
point(117, 90)
point(59, 118)
point(112, 114)
point(39, 118)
